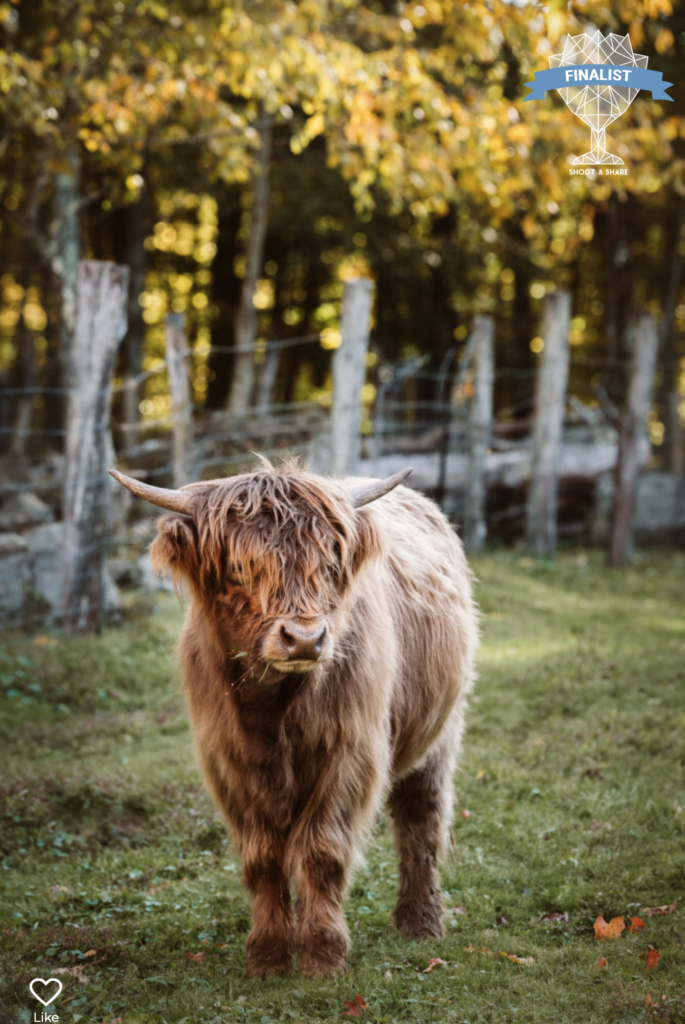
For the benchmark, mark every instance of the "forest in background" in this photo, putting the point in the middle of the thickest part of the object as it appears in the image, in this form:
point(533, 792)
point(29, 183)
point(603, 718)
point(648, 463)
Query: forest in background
point(243, 158)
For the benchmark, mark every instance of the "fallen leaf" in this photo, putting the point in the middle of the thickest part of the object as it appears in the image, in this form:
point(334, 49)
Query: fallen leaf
point(652, 957)
point(437, 962)
point(500, 920)
point(475, 949)
point(197, 958)
point(595, 825)
point(464, 813)
point(649, 1001)
point(356, 1008)
point(526, 961)
point(44, 641)
point(91, 952)
point(660, 911)
point(635, 924)
point(603, 962)
point(606, 931)
point(75, 972)
point(222, 945)
point(458, 910)
point(556, 916)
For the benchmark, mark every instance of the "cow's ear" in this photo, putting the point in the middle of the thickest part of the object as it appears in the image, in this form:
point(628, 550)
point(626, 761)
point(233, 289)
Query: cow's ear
point(369, 542)
point(175, 548)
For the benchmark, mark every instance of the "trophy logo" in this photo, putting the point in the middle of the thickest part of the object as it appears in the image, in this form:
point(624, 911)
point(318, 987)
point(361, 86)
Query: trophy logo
point(598, 77)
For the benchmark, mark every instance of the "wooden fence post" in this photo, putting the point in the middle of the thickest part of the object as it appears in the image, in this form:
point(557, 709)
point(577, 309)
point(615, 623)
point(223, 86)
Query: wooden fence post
point(480, 429)
point(100, 325)
point(632, 433)
point(181, 404)
point(267, 379)
point(349, 365)
point(541, 512)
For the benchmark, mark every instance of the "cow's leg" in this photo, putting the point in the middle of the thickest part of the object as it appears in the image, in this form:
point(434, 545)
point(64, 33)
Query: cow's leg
point(271, 940)
point(421, 807)
point(322, 849)
point(322, 937)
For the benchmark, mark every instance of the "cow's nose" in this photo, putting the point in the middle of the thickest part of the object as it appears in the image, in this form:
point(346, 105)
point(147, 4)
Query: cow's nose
point(303, 642)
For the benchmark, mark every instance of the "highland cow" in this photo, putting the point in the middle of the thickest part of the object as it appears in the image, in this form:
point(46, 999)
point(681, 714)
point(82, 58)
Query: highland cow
point(327, 654)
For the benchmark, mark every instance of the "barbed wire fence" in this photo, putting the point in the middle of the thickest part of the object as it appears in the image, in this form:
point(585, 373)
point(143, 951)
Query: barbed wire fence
point(67, 538)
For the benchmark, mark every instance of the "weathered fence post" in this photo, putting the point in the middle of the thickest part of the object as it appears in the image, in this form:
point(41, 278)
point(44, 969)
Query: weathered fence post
point(541, 512)
point(100, 325)
point(181, 405)
point(267, 378)
point(480, 429)
point(349, 364)
point(631, 439)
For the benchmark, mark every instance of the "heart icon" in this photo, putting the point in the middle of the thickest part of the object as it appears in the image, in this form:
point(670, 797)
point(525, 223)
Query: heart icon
point(50, 981)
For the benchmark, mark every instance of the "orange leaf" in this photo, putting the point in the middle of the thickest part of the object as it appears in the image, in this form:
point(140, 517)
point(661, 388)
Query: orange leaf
point(525, 961)
point(91, 952)
point(649, 1001)
point(197, 958)
point(652, 957)
point(635, 924)
point(355, 1009)
point(660, 911)
point(437, 962)
point(603, 962)
point(605, 931)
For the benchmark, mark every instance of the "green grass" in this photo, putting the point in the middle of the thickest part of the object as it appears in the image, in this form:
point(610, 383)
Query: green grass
point(572, 771)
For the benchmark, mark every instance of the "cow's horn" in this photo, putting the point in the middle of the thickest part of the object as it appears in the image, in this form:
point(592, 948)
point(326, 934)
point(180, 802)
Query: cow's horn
point(172, 501)
point(364, 493)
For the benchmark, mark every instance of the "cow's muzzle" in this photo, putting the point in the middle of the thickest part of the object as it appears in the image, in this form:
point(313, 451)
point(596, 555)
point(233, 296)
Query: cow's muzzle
point(297, 645)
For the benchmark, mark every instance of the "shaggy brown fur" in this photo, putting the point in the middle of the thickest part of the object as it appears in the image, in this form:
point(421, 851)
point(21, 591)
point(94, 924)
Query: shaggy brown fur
point(299, 753)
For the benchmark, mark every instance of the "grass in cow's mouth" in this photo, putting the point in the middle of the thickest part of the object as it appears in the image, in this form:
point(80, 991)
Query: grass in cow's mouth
point(114, 864)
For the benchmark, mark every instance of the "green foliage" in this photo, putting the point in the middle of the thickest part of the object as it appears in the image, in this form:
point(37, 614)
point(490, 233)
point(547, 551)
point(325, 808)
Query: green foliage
point(572, 771)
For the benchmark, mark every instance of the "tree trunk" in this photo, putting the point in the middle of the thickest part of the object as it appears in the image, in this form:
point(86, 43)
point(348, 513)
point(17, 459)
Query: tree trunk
point(136, 230)
point(631, 435)
point(100, 324)
point(24, 378)
point(670, 397)
point(242, 383)
point(480, 428)
point(349, 369)
point(550, 402)
point(64, 232)
point(619, 298)
point(181, 404)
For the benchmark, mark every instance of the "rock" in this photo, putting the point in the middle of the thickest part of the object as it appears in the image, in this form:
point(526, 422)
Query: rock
point(45, 547)
point(45, 551)
point(149, 580)
point(660, 509)
point(23, 509)
point(125, 572)
point(15, 575)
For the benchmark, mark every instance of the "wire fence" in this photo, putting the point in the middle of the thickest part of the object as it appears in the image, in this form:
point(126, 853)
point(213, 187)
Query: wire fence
point(417, 412)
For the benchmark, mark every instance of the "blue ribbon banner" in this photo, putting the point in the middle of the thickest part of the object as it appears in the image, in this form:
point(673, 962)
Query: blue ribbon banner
point(575, 75)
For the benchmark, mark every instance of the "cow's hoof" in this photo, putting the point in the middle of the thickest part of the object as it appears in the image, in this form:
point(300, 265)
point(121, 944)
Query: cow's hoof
point(323, 954)
point(266, 956)
point(321, 967)
point(420, 922)
point(255, 968)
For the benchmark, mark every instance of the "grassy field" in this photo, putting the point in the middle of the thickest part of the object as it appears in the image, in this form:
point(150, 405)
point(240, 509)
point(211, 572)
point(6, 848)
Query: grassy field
point(115, 866)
